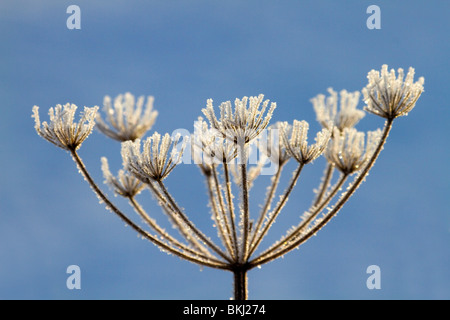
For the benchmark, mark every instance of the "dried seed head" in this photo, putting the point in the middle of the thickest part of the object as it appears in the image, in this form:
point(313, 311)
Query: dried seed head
point(389, 96)
point(62, 131)
point(245, 123)
point(272, 144)
point(124, 184)
point(210, 147)
point(158, 158)
point(126, 118)
point(327, 112)
point(348, 150)
point(297, 145)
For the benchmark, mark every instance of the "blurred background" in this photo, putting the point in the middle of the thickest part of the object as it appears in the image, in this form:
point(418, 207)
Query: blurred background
point(182, 53)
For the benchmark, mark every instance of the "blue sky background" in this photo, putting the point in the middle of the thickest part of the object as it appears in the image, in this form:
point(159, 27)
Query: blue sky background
point(182, 53)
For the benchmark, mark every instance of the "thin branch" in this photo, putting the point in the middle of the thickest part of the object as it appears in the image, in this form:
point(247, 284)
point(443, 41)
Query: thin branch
point(195, 259)
point(188, 223)
point(277, 210)
point(173, 216)
point(313, 213)
point(245, 208)
point(223, 212)
point(317, 210)
point(268, 201)
point(152, 223)
point(325, 183)
point(219, 212)
point(226, 174)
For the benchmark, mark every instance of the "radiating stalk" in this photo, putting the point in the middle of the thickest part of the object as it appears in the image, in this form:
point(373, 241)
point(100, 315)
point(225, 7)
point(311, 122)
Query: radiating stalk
point(172, 215)
point(315, 212)
point(277, 210)
point(219, 216)
point(268, 201)
point(245, 208)
point(139, 230)
point(325, 183)
point(189, 224)
point(226, 174)
point(152, 223)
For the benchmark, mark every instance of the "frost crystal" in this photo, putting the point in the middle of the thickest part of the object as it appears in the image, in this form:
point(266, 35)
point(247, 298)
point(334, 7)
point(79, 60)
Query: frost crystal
point(210, 147)
point(297, 144)
point(126, 119)
point(272, 145)
point(62, 131)
point(347, 150)
point(246, 123)
point(326, 109)
point(389, 96)
point(124, 184)
point(156, 161)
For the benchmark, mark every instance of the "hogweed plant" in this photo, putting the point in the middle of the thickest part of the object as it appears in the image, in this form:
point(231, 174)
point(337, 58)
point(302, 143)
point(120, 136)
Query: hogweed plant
point(221, 146)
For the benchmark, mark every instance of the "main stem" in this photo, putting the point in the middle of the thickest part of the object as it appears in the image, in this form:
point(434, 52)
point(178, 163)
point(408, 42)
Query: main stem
point(240, 284)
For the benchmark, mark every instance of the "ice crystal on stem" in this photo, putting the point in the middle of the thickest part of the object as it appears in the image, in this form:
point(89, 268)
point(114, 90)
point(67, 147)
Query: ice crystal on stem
point(127, 120)
point(273, 145)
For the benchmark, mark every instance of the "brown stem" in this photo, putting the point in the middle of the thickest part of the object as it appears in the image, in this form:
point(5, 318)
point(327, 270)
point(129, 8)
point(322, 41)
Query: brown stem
point(165, 235)
point(138, 229)
point(219, 213)
point(189, 224)
point(268, 201)
point(313, 214)
point(277, 209)
point(325, 184)
point(246, 216)
point(240, 283)
point(230, 207)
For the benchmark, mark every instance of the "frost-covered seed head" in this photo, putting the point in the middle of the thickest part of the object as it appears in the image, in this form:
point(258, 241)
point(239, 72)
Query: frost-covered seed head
point(210, 147)
point(272, 144)
point(126, 118)
point(348, 151)
point(390, 96)
point(158, 158)
point(327, 111)
point(297, 145)
point(245, 123)
point(125, 184)
point(62, 131)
